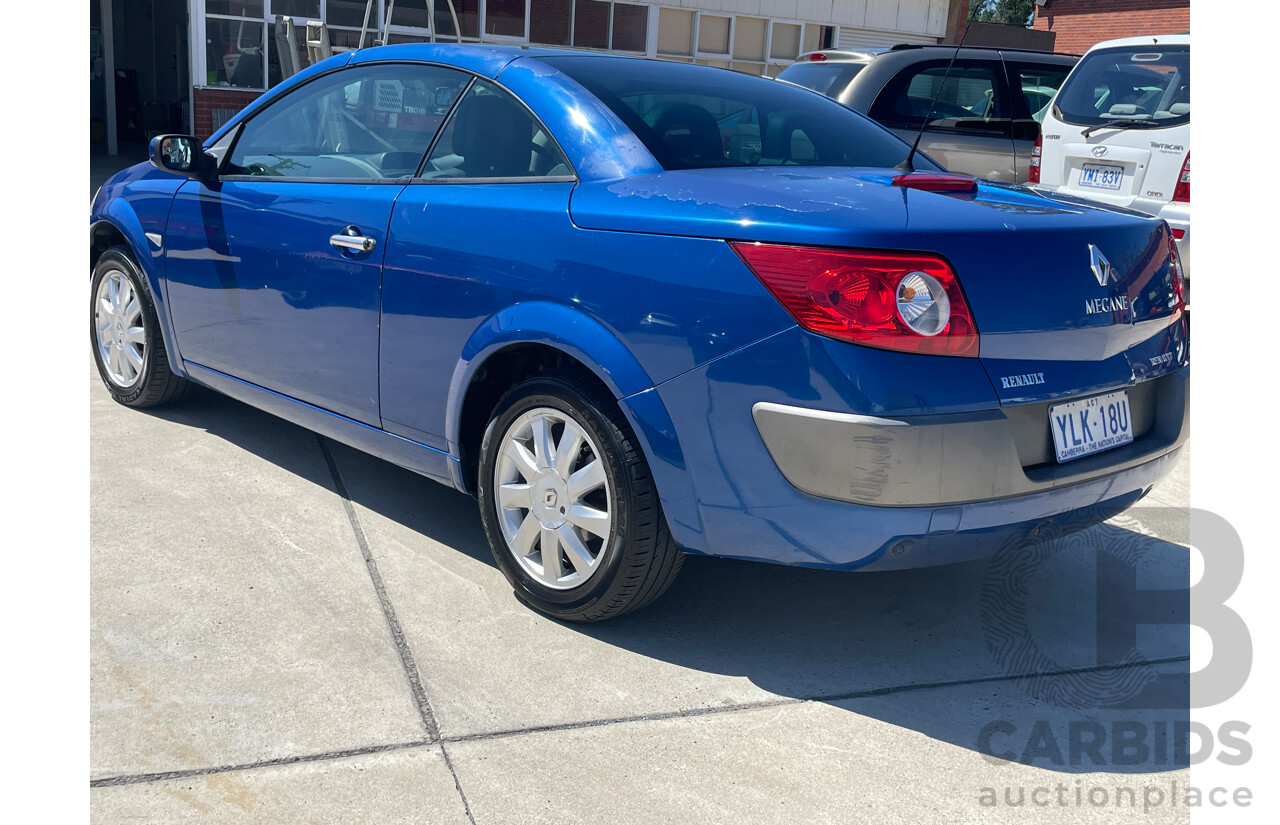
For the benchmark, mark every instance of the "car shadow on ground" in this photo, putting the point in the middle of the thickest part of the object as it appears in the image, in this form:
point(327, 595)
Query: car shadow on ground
point(1072, 657)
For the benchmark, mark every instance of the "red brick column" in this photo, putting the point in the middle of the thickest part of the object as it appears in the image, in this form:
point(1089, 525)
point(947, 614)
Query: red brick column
point(226, 101)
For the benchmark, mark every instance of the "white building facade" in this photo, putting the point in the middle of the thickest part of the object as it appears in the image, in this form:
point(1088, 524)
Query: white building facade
point(230, 51)
point(758, 36)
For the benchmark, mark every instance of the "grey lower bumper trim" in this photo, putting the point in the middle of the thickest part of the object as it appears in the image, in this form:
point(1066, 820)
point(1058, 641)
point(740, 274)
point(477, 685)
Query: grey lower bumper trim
point(932, 460)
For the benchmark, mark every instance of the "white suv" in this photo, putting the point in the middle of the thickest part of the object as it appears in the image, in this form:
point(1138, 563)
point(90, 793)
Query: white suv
point(1119, 131)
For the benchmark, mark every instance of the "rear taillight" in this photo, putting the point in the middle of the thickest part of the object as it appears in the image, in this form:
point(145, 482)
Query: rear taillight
point(1182, 192)
point(1033, 166)
point(1179, 277)
point(893, 300)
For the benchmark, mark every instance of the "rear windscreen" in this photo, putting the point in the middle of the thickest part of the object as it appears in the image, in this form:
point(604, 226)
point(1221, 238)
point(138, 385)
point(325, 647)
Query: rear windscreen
point(828, 78)
point(696, 117)
point(1131, 83)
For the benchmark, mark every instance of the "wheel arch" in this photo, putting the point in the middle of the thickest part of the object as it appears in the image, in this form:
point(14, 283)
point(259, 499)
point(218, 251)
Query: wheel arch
point(528, 338)
point(121, 226)
point(532, 336)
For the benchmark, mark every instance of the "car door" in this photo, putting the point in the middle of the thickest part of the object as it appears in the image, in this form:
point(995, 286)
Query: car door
point(275, 269)
point(963, 108)
point(483, 227)
point(1033, 86)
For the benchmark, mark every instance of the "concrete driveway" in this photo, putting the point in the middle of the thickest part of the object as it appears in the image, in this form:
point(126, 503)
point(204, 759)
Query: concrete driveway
point(286, 630)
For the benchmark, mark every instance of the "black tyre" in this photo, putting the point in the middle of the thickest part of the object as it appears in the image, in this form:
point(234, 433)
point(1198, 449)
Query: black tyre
point(125, 335)
point(568, 502)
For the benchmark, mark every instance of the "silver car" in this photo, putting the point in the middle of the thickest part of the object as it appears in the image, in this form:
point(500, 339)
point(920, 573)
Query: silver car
point(981, 115)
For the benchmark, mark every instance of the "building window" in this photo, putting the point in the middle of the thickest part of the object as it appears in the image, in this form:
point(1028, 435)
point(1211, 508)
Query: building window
point(785, 43)
point(235, 8)
point(234, 53)
point(350, 13)
point(407, 14)
point(468, 12)
point(713, 34)
point(504, 18)
point(591, 24)
point(300, 10)
point(748, 38)
point(630, 27)
point(550, 22)
point(675, 32)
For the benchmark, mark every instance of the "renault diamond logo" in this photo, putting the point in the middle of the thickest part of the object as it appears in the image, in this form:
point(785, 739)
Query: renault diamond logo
point(1099, 151)
point(1100, 265)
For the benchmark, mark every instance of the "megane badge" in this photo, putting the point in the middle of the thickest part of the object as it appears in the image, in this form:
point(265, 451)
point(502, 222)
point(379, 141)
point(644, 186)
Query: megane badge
point(1099, 151)
point(1100, 265)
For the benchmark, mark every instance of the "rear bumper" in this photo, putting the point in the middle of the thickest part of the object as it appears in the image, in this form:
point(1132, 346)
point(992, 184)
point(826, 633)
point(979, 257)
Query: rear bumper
point(935, 460)
point(725, 493)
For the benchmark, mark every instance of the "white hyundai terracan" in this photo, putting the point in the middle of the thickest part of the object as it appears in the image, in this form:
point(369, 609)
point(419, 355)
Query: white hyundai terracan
point(1119, 131)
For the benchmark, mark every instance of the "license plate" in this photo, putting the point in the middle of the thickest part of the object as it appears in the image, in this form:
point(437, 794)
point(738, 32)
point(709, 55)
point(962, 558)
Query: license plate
point(1091, 425)
point(1101, 175)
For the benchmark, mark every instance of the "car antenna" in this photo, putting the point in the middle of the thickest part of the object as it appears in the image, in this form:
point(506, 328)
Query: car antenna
point(906, 165)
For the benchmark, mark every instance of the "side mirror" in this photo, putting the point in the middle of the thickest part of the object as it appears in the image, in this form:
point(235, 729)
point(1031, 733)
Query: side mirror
point(182, 155)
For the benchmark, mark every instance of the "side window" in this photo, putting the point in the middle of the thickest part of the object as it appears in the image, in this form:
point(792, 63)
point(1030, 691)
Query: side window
point(491, 135)
point(365, 123)
point(968, 99)
point(1038, 85)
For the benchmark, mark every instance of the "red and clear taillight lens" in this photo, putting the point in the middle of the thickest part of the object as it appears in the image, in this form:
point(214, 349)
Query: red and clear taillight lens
point(1182, 192)
point(902, 301)
point(1179, 277)
point(1033, 166)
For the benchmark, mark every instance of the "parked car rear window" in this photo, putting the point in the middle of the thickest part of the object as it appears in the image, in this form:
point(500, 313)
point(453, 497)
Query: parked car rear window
point(697, 117)
point(830, 78)
point(959, 96)
point(1130, 83)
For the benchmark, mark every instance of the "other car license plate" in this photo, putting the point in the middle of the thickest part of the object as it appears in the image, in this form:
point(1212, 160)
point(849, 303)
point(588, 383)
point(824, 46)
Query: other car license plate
point(1101, 175)
point(1091, 425)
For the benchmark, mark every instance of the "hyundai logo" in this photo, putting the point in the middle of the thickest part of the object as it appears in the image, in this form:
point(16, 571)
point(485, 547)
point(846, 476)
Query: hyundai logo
point(1099, 151)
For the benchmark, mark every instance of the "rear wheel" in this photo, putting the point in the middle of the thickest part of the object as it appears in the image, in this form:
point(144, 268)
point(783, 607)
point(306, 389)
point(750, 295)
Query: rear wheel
point(568, 503)
point(127, 345)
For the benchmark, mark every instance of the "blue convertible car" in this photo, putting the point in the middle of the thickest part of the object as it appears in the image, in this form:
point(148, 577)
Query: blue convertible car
point(641, 309)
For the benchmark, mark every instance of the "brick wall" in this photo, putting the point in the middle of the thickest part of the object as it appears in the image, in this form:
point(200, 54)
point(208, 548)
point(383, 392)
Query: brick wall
point(1080, 24)
point(212, 108)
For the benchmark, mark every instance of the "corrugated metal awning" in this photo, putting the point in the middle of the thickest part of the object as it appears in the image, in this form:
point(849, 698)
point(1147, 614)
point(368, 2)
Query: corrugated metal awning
point(851, 38)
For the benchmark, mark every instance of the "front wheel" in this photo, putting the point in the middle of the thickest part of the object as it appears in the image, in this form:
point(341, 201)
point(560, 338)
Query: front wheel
point(127, 345)
point(568, 502)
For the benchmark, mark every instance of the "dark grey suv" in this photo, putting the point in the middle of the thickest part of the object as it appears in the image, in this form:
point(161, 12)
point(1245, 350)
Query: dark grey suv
point(988, 105)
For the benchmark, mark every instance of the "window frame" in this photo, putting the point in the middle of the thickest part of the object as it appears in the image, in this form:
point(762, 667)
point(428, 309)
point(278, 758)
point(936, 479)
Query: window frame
point(239, 128)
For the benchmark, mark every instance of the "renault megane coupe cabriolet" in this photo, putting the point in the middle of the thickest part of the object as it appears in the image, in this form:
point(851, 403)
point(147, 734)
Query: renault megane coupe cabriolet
point(559, 282)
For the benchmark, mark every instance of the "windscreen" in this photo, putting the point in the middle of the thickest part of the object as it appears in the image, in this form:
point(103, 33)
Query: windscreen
point(697, 117)
point(1134, 83)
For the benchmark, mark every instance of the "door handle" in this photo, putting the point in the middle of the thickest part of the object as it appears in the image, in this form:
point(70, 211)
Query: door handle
point(350, 238)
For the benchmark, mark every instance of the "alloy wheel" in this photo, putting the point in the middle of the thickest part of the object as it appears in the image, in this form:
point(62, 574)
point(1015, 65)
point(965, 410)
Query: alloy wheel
point(553, 498)
point(121, 334)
